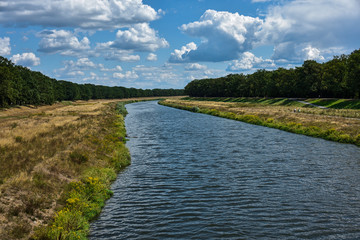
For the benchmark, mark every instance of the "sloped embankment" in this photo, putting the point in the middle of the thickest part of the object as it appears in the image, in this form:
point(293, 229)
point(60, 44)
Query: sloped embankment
point(331, 124)
point(57, 163)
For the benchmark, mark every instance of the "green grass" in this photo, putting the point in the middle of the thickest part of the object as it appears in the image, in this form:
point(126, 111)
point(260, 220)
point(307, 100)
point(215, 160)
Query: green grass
point(251, 101)
point(337, 103)
point(330, 103)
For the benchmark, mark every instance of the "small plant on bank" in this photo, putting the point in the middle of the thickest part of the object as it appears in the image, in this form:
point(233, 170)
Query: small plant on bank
point(18, 139)
point(78, 157)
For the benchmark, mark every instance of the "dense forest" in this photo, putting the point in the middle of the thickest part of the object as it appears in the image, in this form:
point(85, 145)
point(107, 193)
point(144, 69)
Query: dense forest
point(21, 86)
point(337, 78)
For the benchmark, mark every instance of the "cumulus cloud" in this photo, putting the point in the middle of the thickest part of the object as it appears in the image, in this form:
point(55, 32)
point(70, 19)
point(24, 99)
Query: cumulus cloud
point(61, 41)
point(5, 48)
point(152, 57)
point(82, 63)
point(321, 24)
point(87, 14)
point(104, 69)
point(311, 53)
point(224, 36)
point(93, 77)
point(195, 67)
point(77, 68)
point(110, 53)
point(249, 61)
point(129, 75)
point(26, 59)
point(122, 56)
point(289, 26)
point(182, 54)
point(139, 37)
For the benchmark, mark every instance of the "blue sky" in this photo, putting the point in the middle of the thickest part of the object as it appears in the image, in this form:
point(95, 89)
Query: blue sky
point(168, 43)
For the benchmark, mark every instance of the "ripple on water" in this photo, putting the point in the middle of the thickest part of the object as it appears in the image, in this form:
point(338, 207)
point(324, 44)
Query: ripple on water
point(195, 176)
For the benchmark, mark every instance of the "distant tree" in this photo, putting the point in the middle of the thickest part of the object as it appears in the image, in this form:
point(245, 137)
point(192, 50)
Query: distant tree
point(353, 73)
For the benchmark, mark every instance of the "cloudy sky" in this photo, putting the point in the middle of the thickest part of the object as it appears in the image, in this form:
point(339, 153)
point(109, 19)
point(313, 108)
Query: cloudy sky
point(168, 43)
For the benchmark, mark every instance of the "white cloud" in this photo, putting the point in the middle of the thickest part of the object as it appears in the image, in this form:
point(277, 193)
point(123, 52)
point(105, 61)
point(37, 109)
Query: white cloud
point(249, 61)
point(152, 57)
point(115, 54)
point(5, 48)
point(93, 77)
point(322, 24)
point(26, 59)
point(181, 55)
point(256, 1)
point(77, 68)
point(195, 67)
point(129, 75)
point(80, 64)
point(87, 14)
point(139, 37)
point(122, 56)
point(76, 73)
point(312, 54)
point(224, 36)
point(104, 69)
point(289, 26)
point(61, 41)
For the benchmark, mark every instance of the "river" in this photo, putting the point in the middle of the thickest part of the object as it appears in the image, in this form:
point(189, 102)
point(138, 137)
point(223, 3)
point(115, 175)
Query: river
point(195, 176)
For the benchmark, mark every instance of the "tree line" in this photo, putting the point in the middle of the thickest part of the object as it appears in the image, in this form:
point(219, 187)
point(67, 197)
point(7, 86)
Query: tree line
point(337, 78)
point(21, 86)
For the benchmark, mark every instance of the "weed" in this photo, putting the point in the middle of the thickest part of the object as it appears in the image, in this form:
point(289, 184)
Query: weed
point(32, 203)
point(19, 139)
point(78, 157)
point(20, 230)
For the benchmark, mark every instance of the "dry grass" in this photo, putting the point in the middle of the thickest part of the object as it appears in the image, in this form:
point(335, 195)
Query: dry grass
point(346, 121)
point(42, 150)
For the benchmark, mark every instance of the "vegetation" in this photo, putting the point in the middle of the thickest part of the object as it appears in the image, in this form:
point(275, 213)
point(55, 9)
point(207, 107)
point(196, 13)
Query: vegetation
point(333, 124)
point(338, 78)
point(21, 86)
point(57, 163)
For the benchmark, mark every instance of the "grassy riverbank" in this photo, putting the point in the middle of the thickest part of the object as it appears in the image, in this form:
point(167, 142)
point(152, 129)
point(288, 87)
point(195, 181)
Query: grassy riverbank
point(341, 125)
point(57, 163)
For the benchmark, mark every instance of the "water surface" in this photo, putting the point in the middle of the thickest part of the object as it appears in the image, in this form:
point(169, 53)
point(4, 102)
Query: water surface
point(195, 176)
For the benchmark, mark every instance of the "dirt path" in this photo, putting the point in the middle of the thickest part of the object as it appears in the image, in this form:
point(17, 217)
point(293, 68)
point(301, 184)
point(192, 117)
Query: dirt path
point(307, 103)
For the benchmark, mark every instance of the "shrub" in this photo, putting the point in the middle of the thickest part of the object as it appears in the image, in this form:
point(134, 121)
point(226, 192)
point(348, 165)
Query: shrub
point(357, 140)
point(69, 225)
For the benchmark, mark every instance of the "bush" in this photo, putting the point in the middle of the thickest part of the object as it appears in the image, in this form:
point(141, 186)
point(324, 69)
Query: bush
point(69, 225)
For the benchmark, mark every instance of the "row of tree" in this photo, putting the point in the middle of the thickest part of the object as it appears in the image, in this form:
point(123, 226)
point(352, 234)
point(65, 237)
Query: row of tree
point(21, 86)
point(337, 78)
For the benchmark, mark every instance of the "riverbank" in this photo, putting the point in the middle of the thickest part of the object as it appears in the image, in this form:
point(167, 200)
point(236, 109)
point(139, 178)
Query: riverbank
point(340, 125)
point(57, 164)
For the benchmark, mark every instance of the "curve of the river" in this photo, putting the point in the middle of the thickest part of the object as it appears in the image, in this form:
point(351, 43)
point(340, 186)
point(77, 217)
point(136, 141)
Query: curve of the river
point(195, 176)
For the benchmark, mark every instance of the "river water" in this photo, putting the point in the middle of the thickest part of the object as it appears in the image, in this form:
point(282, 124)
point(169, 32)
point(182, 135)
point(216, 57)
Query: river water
point(195, 176)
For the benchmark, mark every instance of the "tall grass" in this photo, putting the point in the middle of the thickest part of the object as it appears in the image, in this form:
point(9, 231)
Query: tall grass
point(55, 177)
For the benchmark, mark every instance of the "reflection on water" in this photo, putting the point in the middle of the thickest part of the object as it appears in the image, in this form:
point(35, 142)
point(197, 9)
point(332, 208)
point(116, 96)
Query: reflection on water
point(195, 176)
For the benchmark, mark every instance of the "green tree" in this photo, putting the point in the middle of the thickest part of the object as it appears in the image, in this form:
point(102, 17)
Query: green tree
point(353, 73)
